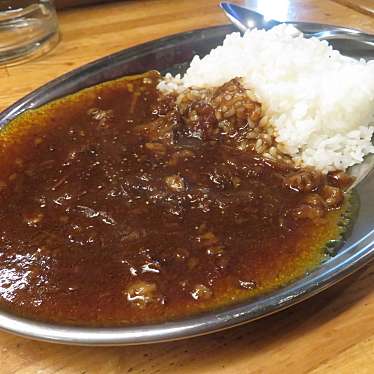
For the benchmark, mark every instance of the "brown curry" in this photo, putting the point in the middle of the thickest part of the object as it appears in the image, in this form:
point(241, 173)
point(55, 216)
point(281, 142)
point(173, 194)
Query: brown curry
point(120, 207)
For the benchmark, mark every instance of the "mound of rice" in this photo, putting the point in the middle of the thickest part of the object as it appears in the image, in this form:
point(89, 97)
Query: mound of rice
point(320, 103)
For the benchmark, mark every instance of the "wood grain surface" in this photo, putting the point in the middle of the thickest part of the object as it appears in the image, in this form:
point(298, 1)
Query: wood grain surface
point(363, 6)
point(331, 333)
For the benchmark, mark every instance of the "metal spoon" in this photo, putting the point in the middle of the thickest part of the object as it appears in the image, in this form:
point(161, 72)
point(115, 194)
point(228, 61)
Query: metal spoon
point(245, 19)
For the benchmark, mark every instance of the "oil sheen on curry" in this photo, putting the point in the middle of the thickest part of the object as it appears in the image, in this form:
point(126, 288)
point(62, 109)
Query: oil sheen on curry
point(120, 205)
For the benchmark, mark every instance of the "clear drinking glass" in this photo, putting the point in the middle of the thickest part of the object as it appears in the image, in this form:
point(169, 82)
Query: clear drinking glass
point(28, 28)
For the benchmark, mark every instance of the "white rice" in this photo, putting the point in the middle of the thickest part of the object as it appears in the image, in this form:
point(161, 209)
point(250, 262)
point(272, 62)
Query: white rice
point(320, 102)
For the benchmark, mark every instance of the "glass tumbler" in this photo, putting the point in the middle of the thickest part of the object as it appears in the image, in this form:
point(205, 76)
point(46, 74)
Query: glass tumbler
point(28, 28)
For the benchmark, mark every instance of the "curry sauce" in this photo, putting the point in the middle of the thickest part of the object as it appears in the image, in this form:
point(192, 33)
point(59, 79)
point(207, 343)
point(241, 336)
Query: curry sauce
point(115, 210)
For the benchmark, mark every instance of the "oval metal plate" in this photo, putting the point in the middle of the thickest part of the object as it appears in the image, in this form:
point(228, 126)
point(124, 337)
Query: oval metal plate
point(173, 54)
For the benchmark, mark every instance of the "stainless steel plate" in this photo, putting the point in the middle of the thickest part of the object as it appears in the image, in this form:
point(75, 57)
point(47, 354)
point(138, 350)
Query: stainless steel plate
point(172, 54)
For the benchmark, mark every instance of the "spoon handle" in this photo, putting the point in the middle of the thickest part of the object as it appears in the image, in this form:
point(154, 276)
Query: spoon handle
point(333, 33)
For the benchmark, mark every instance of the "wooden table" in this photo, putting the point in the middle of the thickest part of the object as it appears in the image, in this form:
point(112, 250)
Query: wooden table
point(333, 332)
